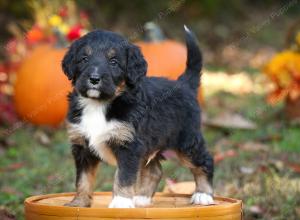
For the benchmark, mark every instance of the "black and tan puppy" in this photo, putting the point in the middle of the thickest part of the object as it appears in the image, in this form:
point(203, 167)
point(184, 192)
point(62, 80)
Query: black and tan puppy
point(120, 116)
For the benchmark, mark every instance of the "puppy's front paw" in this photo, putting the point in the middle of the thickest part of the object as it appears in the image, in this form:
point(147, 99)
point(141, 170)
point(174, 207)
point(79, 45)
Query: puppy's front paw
point(121, 202)
point(202, 199)
point(142, 201)
point(79, 202)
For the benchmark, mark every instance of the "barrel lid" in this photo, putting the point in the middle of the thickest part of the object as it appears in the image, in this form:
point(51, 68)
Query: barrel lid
point(165, 206)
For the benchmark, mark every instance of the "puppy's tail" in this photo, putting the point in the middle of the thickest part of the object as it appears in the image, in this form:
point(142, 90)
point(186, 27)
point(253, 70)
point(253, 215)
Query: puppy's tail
point(192, 72)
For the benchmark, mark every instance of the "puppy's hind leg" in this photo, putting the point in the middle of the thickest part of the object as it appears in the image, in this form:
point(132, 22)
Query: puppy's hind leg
point(148, 179)
point(203, 193)
point(86, 166)
point(201, 165)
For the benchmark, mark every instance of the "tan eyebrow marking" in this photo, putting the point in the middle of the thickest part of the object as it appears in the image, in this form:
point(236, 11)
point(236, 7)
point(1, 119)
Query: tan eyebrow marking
point(88, 50)
point(111, 52)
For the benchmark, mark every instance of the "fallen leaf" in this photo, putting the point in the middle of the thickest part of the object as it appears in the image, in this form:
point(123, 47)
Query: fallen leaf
point(247, 170)
point(238, 83)
point(11, 190)
point(253, 146)
point(277, 164)
point(257, 210)
point(222, 155)
point(187, 187)
point(273, 137)
point(5, 214)
point(298, 211)
point(223, 143)
point(295, 167)
point(13, 166)
point(229, 189)
point(42, 137)
point(230, 120)
point(264, 168)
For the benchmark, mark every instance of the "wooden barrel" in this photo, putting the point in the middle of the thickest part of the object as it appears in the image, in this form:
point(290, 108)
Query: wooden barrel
point(165, 206)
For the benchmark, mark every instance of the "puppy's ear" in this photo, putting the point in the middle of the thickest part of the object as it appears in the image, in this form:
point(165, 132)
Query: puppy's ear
point(69, 61)
point(136, 65)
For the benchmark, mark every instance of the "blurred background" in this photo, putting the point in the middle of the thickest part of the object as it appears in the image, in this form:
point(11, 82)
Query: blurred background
point(250, 94)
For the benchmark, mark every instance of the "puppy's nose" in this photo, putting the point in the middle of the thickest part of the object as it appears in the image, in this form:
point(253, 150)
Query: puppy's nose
point(94, 79)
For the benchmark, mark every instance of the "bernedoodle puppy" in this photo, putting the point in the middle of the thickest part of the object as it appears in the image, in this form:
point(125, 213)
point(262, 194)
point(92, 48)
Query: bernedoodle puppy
point(119, 116)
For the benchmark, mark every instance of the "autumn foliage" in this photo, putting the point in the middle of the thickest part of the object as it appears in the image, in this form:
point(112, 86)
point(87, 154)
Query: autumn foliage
point(284, 71)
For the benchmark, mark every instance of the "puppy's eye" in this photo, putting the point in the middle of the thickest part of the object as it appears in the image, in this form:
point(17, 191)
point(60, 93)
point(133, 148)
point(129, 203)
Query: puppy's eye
point(113, 61)
point(84, 59)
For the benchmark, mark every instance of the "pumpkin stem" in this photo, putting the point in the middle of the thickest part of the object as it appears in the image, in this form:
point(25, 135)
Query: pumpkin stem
point(153, 32)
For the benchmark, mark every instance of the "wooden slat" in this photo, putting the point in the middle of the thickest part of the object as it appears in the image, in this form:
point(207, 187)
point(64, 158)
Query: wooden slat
point(165, 206)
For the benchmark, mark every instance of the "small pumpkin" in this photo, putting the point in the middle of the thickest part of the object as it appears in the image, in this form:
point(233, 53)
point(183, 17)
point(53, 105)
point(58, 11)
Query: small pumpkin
point(165, 57)
point(41, 87)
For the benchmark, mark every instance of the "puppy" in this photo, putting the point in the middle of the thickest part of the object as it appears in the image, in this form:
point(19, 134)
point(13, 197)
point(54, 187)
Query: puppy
point(119, 116)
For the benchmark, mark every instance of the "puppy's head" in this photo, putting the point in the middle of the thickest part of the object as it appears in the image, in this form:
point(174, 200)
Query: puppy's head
point(101, 64)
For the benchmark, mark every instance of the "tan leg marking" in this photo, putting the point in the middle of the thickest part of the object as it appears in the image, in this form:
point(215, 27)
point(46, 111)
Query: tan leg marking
point(119, 190)
point(202, 184)
point(84, 188)
point(148, 179)
point(122, 195)
point(203, 192)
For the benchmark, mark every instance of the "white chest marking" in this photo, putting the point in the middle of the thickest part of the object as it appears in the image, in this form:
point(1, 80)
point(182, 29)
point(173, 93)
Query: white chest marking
point(99, 131)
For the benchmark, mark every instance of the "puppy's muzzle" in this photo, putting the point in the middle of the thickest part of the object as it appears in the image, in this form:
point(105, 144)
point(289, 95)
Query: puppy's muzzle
point(94, 82)
point(94, 79)
point(93, 93)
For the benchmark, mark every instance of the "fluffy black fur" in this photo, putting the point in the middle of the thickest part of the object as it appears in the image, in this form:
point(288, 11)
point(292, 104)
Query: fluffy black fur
point(165, 114)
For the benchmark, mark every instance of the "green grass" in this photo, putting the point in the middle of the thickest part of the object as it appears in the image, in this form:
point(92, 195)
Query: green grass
point(290, 141)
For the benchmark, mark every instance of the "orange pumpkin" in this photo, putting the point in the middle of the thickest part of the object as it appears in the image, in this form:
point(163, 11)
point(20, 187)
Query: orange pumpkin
point(165, 57)
point(41, 87)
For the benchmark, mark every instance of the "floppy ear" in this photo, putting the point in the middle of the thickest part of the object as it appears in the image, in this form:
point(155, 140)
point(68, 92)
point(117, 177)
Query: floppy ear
point(136, 65)
point(68, 62)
